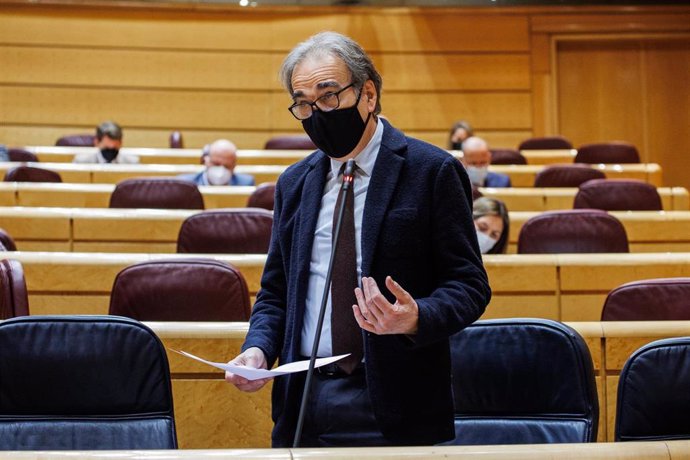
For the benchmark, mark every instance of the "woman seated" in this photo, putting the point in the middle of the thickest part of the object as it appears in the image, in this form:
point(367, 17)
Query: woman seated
point(492, 224)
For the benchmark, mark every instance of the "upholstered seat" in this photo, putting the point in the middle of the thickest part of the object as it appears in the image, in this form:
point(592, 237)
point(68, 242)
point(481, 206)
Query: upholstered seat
point(6, 241)
point(263, 196)
point(649, 300)
point(76, 140)
point(618, 195)
point(157, 193)
point(546, 143)
point(574, 231)
point(226, 231)
point(31, 174)
point(523, 381)
point(566, 175)
point(181, 290)
point(21, 155)
point(295, 142)
point(607, 152)
point(14, 300)
point(653, 397)
point(507, 157)
point(175, 140)
point(83, 383)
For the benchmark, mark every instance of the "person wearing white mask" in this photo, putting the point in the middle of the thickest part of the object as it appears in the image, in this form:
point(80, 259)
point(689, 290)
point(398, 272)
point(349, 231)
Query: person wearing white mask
point(492, 224)
point(477, 158)
point(220, 161)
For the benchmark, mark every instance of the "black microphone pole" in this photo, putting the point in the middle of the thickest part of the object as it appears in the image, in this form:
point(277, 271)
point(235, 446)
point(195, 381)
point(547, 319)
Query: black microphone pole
point(348, 178)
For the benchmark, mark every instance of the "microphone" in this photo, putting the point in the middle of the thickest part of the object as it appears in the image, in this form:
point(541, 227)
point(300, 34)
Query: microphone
point(348, 178)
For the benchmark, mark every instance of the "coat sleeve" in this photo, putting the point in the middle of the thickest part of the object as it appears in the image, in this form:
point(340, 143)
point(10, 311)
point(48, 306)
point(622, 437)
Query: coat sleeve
point(267, 322)
point(461, 285)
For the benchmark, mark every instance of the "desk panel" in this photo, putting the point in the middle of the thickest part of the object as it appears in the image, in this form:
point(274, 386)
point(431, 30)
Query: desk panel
point(98, 196)
point(205, 404)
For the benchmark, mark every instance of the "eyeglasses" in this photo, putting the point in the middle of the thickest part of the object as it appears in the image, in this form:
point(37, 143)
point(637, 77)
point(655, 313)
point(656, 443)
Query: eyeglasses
point(326, 103)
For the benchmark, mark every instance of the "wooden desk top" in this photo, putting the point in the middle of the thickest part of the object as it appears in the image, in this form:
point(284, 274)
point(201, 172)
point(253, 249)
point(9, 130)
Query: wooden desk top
point(520, 175)
point(98, 195)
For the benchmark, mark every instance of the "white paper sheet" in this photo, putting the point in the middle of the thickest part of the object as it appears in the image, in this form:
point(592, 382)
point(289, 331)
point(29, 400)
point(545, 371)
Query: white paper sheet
point(250, 373)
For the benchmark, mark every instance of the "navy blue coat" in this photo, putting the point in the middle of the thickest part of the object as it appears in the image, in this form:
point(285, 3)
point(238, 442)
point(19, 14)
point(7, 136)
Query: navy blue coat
point(417, 227)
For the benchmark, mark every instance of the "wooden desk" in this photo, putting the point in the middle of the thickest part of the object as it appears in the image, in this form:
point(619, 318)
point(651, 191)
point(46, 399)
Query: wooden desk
point(547, 199)
point(229, 418)
point(80, 283)
point(520, 175)
point(52, 154)
point(524, 175)
point(548, 157)
point(566, 287)
point(656, 450)
point(156, 230)
point(98, 196)
point(648, 231)
point(114, 173)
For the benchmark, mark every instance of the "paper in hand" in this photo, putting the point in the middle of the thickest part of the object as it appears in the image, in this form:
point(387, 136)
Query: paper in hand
point(250, 373)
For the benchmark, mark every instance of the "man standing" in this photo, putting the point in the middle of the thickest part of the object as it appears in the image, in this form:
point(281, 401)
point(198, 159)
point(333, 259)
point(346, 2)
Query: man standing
point(220, 161)
point(415, 252)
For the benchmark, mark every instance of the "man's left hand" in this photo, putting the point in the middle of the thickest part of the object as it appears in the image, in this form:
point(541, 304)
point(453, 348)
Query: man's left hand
point(374, 313)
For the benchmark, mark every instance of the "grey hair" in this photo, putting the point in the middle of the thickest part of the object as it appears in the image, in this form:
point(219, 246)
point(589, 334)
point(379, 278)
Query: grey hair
point(109, 129)
point(334, 44)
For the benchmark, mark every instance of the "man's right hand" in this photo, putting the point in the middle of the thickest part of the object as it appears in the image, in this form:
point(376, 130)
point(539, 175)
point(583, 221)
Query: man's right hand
point(252, 357)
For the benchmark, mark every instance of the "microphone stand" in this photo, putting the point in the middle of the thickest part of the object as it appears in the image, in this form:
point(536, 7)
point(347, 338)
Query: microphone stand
point(348, 178)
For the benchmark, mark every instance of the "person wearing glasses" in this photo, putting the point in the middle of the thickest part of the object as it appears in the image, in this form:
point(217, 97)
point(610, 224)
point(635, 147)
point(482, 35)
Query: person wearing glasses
point(412, 258)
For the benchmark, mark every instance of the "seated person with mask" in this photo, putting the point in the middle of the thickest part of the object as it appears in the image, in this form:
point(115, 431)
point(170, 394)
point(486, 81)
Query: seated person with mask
point(108, 141)
point(460, 131)
point(492, 224)
point(477, 158)
point(220, 165)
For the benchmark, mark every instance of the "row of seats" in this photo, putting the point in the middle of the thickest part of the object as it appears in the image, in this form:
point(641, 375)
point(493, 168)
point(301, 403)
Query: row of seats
point(515, 381)
point(604, 152)
point(529, 381)
point(176, 141)
point(548, 176)
point(201, 289)
point(248, 231)
point(170, 193)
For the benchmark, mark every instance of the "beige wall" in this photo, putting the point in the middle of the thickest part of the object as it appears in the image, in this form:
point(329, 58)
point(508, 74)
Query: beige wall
point(212, 71)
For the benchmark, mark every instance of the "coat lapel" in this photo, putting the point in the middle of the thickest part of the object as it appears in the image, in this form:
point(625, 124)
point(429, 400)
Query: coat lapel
point(310, 204)
point(382, 185)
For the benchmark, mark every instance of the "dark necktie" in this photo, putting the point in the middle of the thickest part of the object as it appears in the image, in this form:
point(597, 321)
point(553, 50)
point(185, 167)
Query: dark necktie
point(346, 335)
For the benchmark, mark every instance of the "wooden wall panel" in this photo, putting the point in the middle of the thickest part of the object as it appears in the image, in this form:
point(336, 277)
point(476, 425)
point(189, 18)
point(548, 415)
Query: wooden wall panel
point(506, 110)
point(142, 108)
point(427, 30)
point(667, 73)
point(212, 71)
point(600, 92)
point(633, 89)
point(460, 72)
point(147, 68)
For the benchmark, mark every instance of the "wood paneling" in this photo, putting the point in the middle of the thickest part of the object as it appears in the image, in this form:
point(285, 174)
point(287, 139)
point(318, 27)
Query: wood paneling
point(667, 74)
point(600, 92)
point(202, 70)
point(211, 72)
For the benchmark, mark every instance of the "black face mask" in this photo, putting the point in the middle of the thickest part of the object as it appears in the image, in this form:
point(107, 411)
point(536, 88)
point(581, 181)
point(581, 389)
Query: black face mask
point(109, 154)
point(456, 145)
point(336, 132)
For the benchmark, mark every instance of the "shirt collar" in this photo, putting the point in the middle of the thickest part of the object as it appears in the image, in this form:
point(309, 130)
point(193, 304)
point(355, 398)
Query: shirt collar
point(367, 157)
